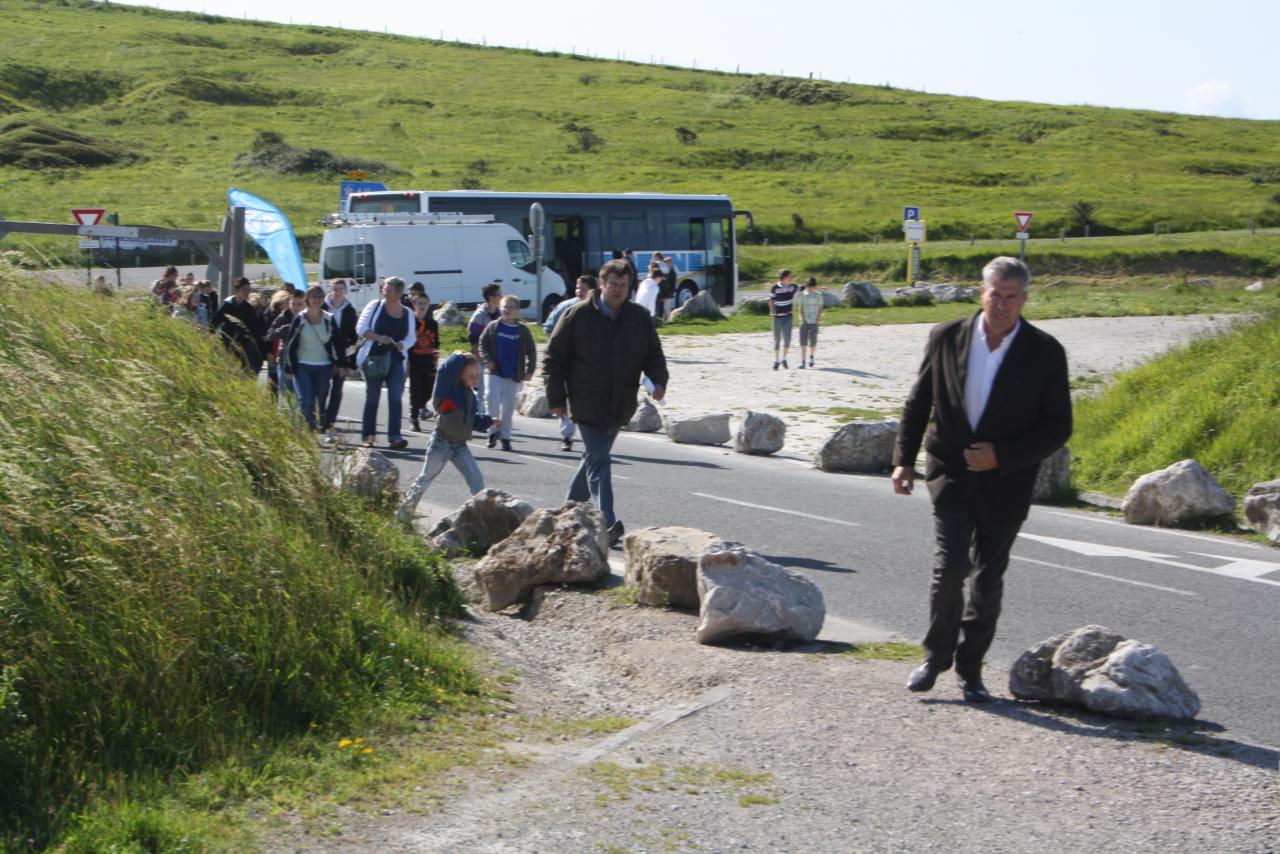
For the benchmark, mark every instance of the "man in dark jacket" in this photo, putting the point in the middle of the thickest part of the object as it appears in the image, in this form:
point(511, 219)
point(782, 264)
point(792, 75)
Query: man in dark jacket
point(240, 326)
point(996, 388)
point(594, 360)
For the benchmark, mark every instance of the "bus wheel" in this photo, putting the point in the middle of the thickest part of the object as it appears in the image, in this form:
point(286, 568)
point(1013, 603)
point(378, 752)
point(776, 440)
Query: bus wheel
point(686, 292)
point(548, 305)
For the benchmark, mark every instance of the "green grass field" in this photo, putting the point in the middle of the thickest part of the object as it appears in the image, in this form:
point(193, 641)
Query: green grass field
point(182, 588)
point(167, 118)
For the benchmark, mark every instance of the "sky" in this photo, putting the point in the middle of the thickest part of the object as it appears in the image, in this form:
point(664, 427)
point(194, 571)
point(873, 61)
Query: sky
point(1177, 55)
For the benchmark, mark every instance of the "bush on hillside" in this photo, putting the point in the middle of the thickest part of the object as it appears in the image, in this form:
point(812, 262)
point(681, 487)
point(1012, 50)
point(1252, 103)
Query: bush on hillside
point(59, 89)
point(795, 90)
point(199, 87)
point(269, 152)
point(28, 144)
point(179, 578)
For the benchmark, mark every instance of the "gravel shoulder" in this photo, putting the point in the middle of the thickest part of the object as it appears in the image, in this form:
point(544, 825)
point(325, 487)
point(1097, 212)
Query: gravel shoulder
point(811, 749)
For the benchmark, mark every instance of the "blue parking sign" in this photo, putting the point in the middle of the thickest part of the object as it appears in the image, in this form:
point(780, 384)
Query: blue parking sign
point(910, 212)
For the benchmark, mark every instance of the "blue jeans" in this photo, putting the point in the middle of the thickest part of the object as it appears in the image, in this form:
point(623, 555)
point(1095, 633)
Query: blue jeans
point(395, 402)
point(501, 395)
point(440, 451)
point(594, 479)
point(311, 383)
point(331, 403)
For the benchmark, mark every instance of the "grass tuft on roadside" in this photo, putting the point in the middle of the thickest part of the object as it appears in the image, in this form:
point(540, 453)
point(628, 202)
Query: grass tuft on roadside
point(183, 588)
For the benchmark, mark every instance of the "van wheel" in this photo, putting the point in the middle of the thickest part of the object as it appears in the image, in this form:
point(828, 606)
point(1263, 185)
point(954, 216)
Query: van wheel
point(548, 305)
point(685, 292)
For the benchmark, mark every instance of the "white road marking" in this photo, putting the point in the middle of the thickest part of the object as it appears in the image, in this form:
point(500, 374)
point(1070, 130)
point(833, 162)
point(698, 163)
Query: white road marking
point(777, 509)
point(1104, 575)
point(1151, 529)
point(1246, 570)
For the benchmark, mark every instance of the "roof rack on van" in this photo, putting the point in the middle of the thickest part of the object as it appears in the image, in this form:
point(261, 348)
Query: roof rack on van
point(405, 218)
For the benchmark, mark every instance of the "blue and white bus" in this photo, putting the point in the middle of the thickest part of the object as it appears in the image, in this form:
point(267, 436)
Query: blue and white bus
point(582, 229)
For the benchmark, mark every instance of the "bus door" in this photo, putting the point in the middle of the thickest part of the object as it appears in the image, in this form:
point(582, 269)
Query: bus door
point(568, 248)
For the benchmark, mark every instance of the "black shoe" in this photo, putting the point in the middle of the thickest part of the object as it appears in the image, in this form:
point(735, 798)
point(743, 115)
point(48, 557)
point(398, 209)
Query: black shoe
point(775, 364)
point(397, 444)
point(923, 677)
point(567, 445)
point(493, 440)
point(506, 444)
point(615, 533)
point(974, 691)
point(417, 428)
point(802, 364)
point(784, 364)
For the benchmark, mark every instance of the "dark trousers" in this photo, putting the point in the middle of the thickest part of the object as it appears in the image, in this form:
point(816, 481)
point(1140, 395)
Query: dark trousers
point(978, 551)
point(422, 381)
point(331, 403)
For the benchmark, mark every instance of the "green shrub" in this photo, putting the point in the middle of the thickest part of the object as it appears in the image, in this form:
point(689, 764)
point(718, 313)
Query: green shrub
point(179, 578)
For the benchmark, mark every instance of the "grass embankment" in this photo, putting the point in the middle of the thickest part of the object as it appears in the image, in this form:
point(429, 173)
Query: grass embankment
point(1217, 401)
point(182, 589)
point(162, 136)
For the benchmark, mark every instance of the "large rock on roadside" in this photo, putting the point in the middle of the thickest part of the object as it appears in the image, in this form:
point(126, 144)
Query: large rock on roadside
point(914, 295)
point(710, 429)
point(1101, 670)
point(449, 315)
point(367, 473)
point(830, 299)
point(754, 305)
point(1054, 476)
point(862, 295)
point(662, 563)
point(743, 595)
point(1182, 493)
point(532, 401)
point(488, 517)
point(1262, 509)
point(948, 292)
point(861, 446)
point(565, 546)
point(1256, 287)
point(646, 420)
point(760, 433)
point(702, 304)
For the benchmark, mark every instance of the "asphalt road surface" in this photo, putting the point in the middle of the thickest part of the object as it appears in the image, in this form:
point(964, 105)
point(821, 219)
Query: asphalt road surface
point(1210, 602)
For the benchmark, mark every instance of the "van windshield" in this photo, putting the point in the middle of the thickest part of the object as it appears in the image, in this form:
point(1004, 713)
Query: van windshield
point(520, 255)
point(349, 262)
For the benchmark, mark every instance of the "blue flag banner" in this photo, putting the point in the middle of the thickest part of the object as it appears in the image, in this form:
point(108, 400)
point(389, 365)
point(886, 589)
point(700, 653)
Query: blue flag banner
point(270, 229)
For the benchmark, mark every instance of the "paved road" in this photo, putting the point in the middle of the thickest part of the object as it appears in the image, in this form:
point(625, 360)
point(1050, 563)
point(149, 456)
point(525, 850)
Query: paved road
point(1210, 602)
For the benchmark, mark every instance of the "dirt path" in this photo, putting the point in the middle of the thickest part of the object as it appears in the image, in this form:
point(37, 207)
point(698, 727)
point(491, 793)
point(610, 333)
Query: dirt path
point(871, 368)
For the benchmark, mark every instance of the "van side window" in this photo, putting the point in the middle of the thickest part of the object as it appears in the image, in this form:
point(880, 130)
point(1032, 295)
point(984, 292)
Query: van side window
point(350, 262)
point(520, 254)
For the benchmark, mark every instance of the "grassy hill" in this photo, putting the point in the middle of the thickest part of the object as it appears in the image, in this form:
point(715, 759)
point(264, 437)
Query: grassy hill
point(155, 114)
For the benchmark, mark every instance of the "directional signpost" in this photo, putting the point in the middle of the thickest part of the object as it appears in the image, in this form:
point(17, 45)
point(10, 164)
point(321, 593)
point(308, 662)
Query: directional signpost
point(1023, 218)
point(913, 229)
point(88, 217)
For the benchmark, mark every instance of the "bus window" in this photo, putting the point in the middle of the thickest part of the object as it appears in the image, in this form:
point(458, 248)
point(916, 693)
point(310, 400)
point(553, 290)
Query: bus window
point(374, 203)
point(349, 262)
point(684, 232)
point(520, 255)
point(627, 231)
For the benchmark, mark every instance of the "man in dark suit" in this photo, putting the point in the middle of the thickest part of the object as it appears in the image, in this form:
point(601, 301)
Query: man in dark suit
point(996, 387)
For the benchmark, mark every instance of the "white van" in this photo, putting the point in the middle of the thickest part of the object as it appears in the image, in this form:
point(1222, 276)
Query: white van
point(453, 255)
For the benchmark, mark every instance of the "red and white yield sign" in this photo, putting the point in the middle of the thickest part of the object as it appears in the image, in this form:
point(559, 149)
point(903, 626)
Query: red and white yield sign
point(88, 216)
point(1023, 218)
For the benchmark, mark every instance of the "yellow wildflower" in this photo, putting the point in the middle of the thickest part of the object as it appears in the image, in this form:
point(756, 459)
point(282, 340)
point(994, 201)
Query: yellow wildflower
point(344, 744)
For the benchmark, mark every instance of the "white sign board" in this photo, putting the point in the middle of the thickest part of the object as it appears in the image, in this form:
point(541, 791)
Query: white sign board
point(90, 244)
point(914, 230)
point(1023, 235)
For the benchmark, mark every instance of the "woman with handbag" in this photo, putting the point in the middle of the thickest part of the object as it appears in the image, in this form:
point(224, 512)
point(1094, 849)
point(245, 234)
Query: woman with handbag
point(345, 314)
point(312, 354)
point(387, 328)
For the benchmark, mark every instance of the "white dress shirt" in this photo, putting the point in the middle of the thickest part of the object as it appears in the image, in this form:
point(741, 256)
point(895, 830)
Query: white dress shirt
point(984, 364)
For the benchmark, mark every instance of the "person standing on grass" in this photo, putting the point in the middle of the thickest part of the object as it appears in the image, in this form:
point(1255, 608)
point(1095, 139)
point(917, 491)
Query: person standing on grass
point(990, 402)
point(592, 368)
point(457, 416)
point(312, 355)
point(486, 312)
point(582, 291)
point(510, 357)
point(388, 331)
point(811, 308)
point(345, 314)
point(422, 360)
point(781, 299)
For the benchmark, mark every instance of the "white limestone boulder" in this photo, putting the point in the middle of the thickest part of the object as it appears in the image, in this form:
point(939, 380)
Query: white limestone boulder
point(646, 420)
point(860, 446)
point(532, 401)
point(709, 429)
point(1054, 476)
point(1262, 509)
point(862, 295)
point(662, 563)
point(760, 433)
point(1180, 494)
point(743, 595)
point(565, 546)
point(488, 517)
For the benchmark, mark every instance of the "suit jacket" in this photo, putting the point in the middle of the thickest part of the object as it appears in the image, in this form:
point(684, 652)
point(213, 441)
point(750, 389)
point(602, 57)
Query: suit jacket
point(1027, 418)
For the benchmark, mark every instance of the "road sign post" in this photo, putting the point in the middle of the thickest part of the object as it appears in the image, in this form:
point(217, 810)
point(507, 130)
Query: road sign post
point(1023, 218)
point(914, 232)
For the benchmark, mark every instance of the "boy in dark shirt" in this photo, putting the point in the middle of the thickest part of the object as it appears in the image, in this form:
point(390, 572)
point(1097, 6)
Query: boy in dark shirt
point(782, 297)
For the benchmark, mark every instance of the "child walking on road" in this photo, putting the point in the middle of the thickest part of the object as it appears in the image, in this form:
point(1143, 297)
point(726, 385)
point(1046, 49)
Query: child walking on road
point(507, 351)
point(810, 313)
point(782, 297)
point(456, 417)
